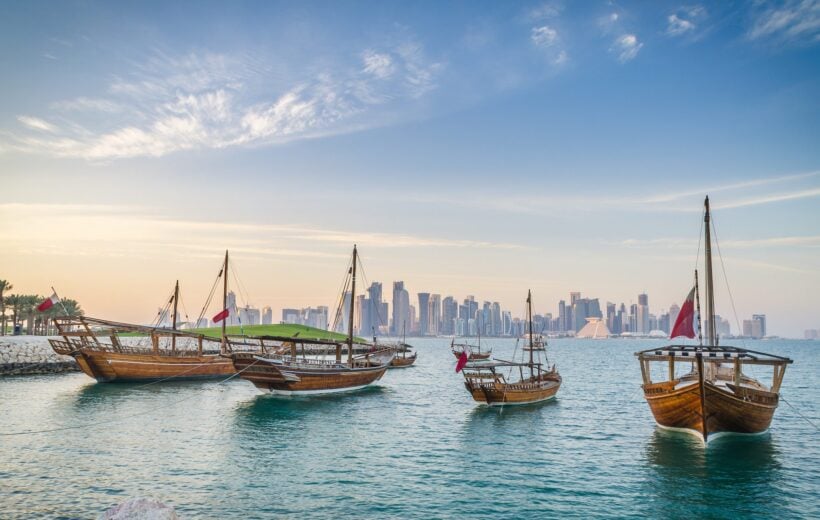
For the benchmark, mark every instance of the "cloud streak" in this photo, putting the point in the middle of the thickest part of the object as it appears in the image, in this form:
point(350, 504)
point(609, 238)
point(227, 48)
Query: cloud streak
point(110, 223)
point(203, 101)
point(792, 22)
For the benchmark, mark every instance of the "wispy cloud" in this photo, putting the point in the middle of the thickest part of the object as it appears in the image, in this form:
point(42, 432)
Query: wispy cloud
point(680, 201)
point(626, 47)
point(682, 22)
point(676, 195)
point(108, 223)
point(791, 22)
point(36, 123)
point(768, 199)
point(198, 101)
point(811, 241)
point(84, 104)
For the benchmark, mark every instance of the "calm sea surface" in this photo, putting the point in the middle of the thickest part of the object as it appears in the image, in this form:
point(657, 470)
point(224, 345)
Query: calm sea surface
point(414, 446)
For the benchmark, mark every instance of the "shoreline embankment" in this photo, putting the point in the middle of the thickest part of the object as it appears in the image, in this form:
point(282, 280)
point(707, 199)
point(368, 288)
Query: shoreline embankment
point(27, 355)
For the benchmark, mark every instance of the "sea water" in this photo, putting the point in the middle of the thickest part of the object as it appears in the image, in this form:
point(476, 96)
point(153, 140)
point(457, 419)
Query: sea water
point(414, 445)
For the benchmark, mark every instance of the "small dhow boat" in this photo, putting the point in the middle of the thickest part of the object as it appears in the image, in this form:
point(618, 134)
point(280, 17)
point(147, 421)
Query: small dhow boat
point(279, 369)
point(402, 360)
point(473, 351)
point(714, 396)
point(487, 384)
point(112, 351)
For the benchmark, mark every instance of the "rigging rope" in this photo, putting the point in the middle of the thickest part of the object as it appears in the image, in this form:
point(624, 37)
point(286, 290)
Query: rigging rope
point(799, 414)
point(729, 289)
point(210, 296)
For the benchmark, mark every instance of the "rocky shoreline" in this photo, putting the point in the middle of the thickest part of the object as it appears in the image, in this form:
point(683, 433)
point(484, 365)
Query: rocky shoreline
point(27, 355)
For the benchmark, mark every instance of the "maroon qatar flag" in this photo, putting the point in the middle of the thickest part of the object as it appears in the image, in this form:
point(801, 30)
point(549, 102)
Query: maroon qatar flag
point(221, 316)
point(462, 360)
point(685, 324)
point(48, 303)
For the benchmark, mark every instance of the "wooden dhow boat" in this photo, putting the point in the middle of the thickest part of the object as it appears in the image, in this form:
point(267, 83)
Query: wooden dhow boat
point(473, 351)
point(487, 384)
point(714, 395)
point(402, 360)
point(113, 351)
point(281, 371)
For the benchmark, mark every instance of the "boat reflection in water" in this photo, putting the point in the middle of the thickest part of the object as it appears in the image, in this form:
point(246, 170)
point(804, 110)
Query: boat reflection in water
point(684, 480)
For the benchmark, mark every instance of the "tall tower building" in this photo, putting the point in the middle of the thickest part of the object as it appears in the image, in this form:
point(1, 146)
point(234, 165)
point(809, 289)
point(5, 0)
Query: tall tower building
point(424, 313)
point(761, 320)
point(434, 320)
point(401, 309)
point(267, 315)
point(643, 299)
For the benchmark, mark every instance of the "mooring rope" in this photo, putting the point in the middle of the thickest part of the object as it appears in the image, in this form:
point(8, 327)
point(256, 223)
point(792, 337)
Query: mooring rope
point(799, 414)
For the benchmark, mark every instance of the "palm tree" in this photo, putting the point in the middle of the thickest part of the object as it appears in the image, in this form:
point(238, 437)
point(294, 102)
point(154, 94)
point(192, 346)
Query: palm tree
point(29, 309)
point(4, 286)
point(71, 307)
point(14, 301)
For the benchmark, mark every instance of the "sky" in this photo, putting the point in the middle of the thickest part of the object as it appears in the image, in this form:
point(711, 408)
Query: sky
point(468, 148)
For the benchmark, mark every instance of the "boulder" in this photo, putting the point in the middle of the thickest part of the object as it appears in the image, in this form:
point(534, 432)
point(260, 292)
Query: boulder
point(140, 508)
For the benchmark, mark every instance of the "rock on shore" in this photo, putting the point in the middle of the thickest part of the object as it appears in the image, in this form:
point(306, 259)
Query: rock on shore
point(20, 355)
point(140, 508)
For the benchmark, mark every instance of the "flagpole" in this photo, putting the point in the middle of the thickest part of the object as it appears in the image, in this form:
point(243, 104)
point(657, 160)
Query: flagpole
point(59, 300)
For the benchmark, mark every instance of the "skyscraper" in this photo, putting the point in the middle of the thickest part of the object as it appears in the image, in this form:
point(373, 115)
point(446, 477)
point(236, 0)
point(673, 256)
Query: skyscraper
point(449, 315)
point(643, 299)
point(434, 320)
point(761, 319)
point(562, 316)
point(424, 313)
point(267, 315)
point(401, 309)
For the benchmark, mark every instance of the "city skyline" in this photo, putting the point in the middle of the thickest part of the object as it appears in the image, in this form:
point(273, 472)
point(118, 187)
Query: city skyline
point(472, 317)
point(475, 148)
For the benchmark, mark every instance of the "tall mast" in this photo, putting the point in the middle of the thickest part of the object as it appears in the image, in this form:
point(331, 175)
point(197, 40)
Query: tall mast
point(174, 319)
point(710, 290)
point(352, 300)
point(224, 295)
point(529, 317)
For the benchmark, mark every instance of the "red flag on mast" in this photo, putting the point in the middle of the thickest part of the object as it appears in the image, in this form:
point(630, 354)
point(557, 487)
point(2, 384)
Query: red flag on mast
point(462, 360)
point(685, 324)
point(221, 316)
point(48, 303)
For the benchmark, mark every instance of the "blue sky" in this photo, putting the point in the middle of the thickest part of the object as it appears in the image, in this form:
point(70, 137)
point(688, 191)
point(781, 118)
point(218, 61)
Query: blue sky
point(469, 147)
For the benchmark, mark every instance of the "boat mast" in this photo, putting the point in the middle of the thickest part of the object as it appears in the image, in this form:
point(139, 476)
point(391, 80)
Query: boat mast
point(174, 319)
point(710, 291)
point(352, 299)
point(224, 295)
point(529, 317)
point(404, 338)
point(479, 336)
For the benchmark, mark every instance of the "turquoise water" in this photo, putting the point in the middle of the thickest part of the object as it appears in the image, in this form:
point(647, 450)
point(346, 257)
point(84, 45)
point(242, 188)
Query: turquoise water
point(414, 446)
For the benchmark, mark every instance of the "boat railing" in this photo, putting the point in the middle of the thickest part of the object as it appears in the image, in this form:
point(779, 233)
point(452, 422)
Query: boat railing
point(660, 388)
point(753, 395)
point(66, 347)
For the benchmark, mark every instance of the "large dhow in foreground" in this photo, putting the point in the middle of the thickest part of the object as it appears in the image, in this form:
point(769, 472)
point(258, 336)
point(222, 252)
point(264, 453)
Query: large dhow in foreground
point(278, 368)
point(714, 396)
point(112, 351)
point(487, 384)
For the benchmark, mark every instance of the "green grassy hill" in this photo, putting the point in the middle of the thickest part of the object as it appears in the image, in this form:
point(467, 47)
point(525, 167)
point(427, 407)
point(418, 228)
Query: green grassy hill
point(285, 330)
